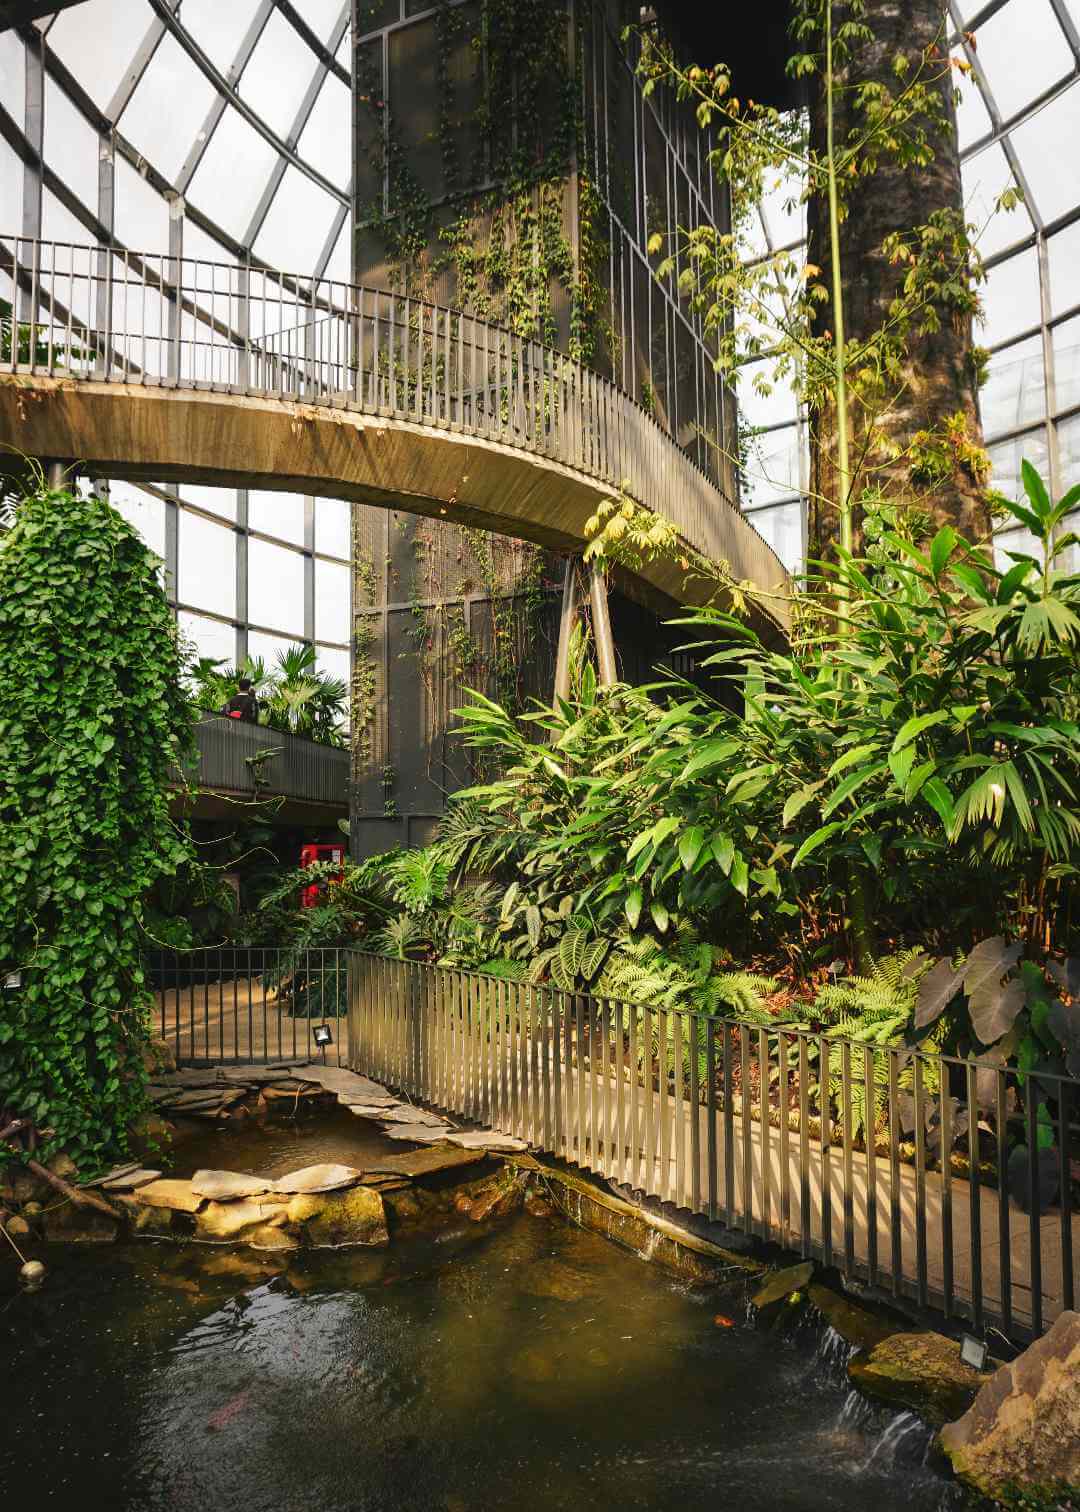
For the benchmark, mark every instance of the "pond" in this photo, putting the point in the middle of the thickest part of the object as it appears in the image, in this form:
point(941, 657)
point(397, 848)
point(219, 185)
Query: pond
point(525, 1366)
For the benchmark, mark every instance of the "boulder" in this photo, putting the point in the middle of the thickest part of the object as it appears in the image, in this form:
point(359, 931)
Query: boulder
point(63, 1166)
point(856, 1324)
point(353, 1217)
point(537, 1206)
point(68, 1224)
point(127, 1181)
point(498, 1200)
point(921, 1371)
point(225, 1186)
point(781, 1285)
point(18, 1227)
point(1023, 1429)
point(318, 1178)
point(228, 1220)
point(269, 1236)
point(167, 1193)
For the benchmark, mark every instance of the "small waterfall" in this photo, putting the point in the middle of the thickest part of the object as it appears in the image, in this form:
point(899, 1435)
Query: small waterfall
point(648, 1249)
point(832, 1356)
point(854, 1413)
point(905, 1429)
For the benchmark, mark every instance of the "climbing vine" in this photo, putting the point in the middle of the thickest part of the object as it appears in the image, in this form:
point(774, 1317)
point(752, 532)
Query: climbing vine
point(94, 719)
point(499, 227)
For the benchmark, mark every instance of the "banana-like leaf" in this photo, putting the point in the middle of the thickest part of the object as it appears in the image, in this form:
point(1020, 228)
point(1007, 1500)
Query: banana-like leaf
point(690, 843)
point(592, 958)
point(633, 906)
point(533, 924)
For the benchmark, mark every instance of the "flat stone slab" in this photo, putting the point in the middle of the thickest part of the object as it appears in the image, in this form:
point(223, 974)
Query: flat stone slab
point(418, 1133)
point(405, 1113)
point(341, 1080)
point(486, 1139)
point(378, 1112)
point(226, 1186)
point(414, 1163)
point(129, 1181)
point(318, 1178)
point(176, 1195)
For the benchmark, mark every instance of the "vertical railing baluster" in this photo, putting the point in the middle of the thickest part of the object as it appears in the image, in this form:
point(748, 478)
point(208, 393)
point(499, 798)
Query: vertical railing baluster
point(747, 1130)
point(870, 1140)
point(582, 1110)
point(945, 1128)
point(710, 1107)
point(920, 1181)
point(1068, 1284)
point(692, 1028)
point(730, 1209)
point(679, 1108)
point(634, 1057)
point(784, 1098)
point(848, 1114)
point(805, 1217)
point(824, 1095)
point(539, 1110)
point(895, 1226)
point(1031, 1102)
point(648, 1181)
point(765, 1124)
point(664, 1110)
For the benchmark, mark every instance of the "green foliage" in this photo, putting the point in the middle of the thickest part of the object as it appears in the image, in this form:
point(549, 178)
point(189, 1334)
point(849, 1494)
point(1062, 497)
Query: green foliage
point(294, 696)
point(92, 722)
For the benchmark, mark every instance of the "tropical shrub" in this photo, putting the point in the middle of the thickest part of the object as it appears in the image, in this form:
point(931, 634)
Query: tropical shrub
point(294, 696)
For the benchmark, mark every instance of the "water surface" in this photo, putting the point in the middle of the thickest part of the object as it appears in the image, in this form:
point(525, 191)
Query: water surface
point(526, 1368)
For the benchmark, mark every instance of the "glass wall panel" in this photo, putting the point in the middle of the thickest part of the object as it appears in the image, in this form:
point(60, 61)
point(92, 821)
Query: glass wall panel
point(1012, 298)
point(232, 174)
point(206, 564)
point(332, 527)
point(168, 108)
point(331, 602)
point(219, 29)
point(97, 43)
point(219, 501)
point(277, 514)
point(1019, 71)
point(142, 510)
point(275, 587)
point(209, 637)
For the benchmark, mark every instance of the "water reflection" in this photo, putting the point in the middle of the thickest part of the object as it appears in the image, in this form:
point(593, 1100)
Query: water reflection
point(535, 1367)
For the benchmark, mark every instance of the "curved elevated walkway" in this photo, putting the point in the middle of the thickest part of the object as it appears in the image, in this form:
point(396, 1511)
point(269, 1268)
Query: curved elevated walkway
point(171, 370)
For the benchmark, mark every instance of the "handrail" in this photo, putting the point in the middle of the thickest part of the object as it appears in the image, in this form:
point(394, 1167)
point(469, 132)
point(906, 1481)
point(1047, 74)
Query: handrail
point(116, 316)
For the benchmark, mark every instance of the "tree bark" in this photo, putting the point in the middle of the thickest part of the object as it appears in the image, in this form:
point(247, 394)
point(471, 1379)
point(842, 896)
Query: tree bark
point(938, 378)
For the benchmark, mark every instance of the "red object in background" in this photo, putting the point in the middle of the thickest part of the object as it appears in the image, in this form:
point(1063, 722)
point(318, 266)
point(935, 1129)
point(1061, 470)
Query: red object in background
point(309, 855)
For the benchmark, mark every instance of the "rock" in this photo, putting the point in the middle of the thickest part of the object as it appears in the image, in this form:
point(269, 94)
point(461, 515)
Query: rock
point(1023, 1430)
point(127, 1181)
point(856, 1324)
point(63, 1166)
point(152, 1222)
point(405, 1113)
point(463, 1204)
point(537, 1206)
point(486, 1139)
point(224, 1186)
point(780, 1285)
point(498, 1200)
point(416, 1163)
point(69, 1224)
point(318, 1178)
point(353, 1217)
point(921, 1371)
point(176, 1195)
point(269, 1236)
point(158, 1056)
point(227, 1220)
point(417, 1133)
point(22, 1186)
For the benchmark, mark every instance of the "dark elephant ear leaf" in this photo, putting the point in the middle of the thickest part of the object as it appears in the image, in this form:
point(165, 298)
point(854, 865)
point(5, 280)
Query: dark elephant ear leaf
point(1063, 1021)
point(993, 1004)
point(936, 991)
point(1066, 975)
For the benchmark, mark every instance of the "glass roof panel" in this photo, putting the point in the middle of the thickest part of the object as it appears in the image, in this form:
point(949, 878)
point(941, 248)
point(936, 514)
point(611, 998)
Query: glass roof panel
point(141, 215)
point(321, 15)
point(98, 42)
point(71, 144)
point(164, 137)
point(1064, 252)
point(1012, 297)
point(277, 74)
point(972, 117)
point(297, 225)
point(218, 29)
point(12, 76)
point(1046, 143)
point(324, 141)
point(985, 177)
point(11, 188)
point(232, 174)
point(1018, 74)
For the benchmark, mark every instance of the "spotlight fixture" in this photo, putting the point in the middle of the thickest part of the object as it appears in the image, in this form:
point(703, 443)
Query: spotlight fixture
point(322, 1036)
point(973, 1352)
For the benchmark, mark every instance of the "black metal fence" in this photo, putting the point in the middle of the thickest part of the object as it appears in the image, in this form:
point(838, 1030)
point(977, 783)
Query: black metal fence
point(238, 1004)
point(947, 1181)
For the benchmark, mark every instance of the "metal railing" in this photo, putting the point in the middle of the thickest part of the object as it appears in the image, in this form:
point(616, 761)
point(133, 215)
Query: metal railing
point(234, 1005)
point(959, 1197)
point(141, 318)
point(236, 757)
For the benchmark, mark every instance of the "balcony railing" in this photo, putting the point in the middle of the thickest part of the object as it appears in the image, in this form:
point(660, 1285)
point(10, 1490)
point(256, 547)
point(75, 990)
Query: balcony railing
point(251, 760)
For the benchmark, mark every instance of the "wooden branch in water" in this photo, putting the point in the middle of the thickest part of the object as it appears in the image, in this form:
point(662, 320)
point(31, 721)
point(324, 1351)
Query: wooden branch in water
point(73, 1194)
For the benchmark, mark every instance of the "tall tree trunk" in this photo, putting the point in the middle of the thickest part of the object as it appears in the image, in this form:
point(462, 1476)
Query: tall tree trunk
point(937, 380)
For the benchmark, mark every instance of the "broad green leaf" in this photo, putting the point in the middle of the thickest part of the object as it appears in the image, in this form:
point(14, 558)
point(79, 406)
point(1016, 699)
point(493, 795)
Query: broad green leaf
point(851, 758)
point(1035, 489)
point(851, 783)
point(941, 549)
point(798, 801)
point(690, 843)
point(723, 848)
point(714, 753)
point(740, 875)
point(633, 906)
point(912, 728)
point(814, 842)
point(660, 914)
